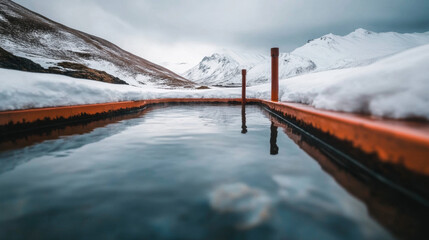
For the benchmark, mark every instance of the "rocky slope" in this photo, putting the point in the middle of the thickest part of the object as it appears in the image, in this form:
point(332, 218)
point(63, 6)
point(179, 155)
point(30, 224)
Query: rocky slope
point(60, 49)
point(328, 52)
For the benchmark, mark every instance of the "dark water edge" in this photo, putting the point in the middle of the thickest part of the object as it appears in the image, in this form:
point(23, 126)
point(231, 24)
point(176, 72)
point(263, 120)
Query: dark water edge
point(401, 214)
point(124, 215)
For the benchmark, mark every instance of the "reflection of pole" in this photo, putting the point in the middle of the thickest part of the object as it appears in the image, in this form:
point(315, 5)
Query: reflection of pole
point(274, 149)
point(243, 119)
point(243, 86)
point(274, 74)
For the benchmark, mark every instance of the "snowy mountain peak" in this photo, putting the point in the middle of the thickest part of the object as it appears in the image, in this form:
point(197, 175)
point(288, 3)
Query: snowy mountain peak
point(360, 32)
point(328, 40)
point(360, 47)
point(216, 57)
point(223, 67)
point(243, 58)
point(328, 37)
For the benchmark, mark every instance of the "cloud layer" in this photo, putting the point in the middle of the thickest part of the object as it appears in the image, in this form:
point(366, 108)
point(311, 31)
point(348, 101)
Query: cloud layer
point(187, 30)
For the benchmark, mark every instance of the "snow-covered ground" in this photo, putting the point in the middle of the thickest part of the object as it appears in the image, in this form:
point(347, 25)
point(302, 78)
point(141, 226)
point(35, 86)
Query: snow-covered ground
point(21, 90)
point(396, 87)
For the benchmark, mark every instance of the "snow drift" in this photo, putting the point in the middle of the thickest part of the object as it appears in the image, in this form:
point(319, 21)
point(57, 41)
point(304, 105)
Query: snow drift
point(395, 87)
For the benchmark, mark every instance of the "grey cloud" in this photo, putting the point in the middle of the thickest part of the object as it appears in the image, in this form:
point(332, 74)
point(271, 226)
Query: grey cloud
point(255, 24)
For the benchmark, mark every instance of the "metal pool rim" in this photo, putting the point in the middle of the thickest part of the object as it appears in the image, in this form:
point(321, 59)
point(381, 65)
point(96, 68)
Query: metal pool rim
point(402, 147)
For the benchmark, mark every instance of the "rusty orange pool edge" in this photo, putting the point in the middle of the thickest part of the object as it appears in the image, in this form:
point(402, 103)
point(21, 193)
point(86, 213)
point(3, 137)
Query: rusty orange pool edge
point(31, 115)
point(392, 144)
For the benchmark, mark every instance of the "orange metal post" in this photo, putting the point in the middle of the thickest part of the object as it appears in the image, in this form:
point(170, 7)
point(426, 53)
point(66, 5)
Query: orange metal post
point(243, 86)
point(275, 74)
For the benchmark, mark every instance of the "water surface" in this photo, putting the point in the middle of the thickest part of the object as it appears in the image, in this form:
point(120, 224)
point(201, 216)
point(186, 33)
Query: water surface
point(177, 172)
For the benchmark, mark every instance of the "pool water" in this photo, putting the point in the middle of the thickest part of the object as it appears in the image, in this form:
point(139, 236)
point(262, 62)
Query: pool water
point(177, 172)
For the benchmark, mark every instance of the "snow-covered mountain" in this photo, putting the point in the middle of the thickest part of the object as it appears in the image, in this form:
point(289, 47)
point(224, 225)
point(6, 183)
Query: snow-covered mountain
point(360, 47)
point(223, 68)
point(26, 35)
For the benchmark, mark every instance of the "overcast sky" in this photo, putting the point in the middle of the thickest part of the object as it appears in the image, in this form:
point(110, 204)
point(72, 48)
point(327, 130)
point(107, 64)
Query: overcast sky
point(187, 30)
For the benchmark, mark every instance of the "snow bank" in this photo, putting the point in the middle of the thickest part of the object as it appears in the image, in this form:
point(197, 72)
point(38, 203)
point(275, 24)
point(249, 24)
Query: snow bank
point(21, 90)
point(397, 87)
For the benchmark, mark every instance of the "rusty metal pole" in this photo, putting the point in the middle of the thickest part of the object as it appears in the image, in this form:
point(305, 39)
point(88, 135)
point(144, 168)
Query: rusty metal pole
point(243, 86)
point(243, 119)
point(274, 148)
point(275, 74)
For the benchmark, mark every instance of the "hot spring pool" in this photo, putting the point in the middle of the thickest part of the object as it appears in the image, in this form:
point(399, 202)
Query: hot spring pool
point(177, 172)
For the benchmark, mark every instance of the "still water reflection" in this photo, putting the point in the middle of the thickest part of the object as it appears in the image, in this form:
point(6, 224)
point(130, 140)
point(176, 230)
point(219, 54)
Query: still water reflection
point(177, 172)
